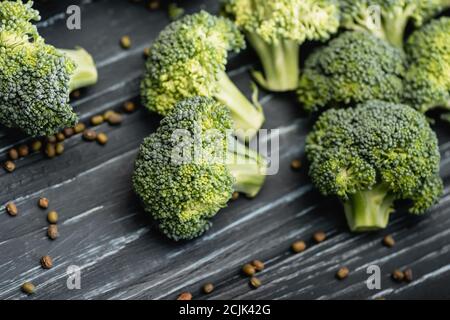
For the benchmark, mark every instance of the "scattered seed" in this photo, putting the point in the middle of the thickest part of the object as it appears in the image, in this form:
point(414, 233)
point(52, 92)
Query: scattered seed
point(248, 269)
point(97, 120)
point(36, 145)
point(319, 236)
point(153, 4)
point(52, 217)
point(23, 150)
point(59, 148)
point(146, 52)
point(60, 137)
point(68, 132)
point(107, 114)
point(208, 288)
point(125, 42)
point(298, 246)
point(52, 231)
point(9, 166)
point(235, 195)
point(398, 275)
point(89, 135)
point(51, 139)
point(79, 127)
point(43, 203)
point(102, 138)
point(296, 164)
point(342, 273)
point(408, 275)
point(13, 154)
point(185, 296)
point(388, 241)
point(258, 265)
point(129, 107)
point(50, 150)
point(28, 288)
point(255, 282)
point(46, 262)
point(75, 94)
point(115, 119)
point(11, 209)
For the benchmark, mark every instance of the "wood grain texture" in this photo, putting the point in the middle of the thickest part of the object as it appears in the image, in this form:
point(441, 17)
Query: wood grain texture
point(122, 255)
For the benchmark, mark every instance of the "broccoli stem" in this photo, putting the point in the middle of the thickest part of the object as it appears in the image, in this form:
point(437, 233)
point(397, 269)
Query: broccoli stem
point(280, 62)
point(395, 24)
point(370, 209)
point(85, 73)
point(247, 117)
point(247, 167)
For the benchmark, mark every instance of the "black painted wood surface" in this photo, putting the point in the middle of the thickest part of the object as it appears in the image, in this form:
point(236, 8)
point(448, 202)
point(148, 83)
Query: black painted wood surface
point(122, 255)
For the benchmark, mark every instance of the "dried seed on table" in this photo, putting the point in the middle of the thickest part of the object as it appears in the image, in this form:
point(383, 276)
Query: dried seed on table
point(388, 241)
point(59, 148)
point(102, 138)
point(51, 139)
point(258, 265)
point(107, 114)
point(298, 246)
point(68, 132)
point(398, 275)
point(23, 150)
point(129, 107)
point(50, 150)
point(52, 231)
point(296, 164)
point(154, 4)
point(28, 288)
point(60, 137)
point(9, 166)
point(408, 275)
point(115, 119)
point(11, 209)
point(185, 296)
point(319, 236)
point(79, 127)
point(89, 135)
point(52, 217)
point(248, 269)
point(235, 195)
point(146, 52)
point(97, 120)
point(43, 203)
point(75, 94)
point(13, 154)
point(36, 145)
point(125, 42)
point(208, 288)
point(255, 282)
point(46, 262)
point(342, 273)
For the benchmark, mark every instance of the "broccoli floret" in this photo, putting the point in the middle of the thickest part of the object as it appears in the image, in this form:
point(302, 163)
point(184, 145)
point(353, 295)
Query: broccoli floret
point(187, 171)
point(388, 19)
point(372, 155)
point(276, 29)
point(353, 68)
point(36, 78)
point(188, 59)
point(427, 84)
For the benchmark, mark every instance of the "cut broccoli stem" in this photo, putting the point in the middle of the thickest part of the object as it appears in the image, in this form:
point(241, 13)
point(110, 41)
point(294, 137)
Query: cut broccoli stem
point(247, 167)
point(280, 62)
point(247, 117)
point(369, 210)
point(85, 72)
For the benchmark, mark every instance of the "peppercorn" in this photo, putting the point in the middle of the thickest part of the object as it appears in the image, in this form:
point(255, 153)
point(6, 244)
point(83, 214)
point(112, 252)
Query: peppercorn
point(398, 275)
point(296, 164)
point(46, 262)
point(79, 127)
point(342, 273)
point(388, 241)
point(43, 203)
point(52, 231)
point(115, 119)
point(11, 209)
point(36, 145)
point(102, 138)
point(9, 166)
point(52, 217)
point(235, 195)
point(185, 296)
point(255, 282)
point(408, 275)
point(59, 148)
point(68, 132)
point(129, 107)
point(28, 288)
point(89, 135)
point(125, 42)
point(50, 150)
point(13, 154)
point(75, 94)
point(248, 269)
point(51, 139)
point(96, 120)
point(258, 265)
point(60, 137)
point(208, 288)
point(298, 246)
point(319, 236)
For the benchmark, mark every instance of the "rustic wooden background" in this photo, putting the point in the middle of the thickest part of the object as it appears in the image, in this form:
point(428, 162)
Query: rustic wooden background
point(122, 255)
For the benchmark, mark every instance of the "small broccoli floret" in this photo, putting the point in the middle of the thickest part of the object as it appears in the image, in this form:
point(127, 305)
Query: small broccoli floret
point(427, 84)
point(188, 59)
point(370, 156)
point(276, 29)
point(187, 171)
point(387, 19)
point(36, 78)
point(353, 68)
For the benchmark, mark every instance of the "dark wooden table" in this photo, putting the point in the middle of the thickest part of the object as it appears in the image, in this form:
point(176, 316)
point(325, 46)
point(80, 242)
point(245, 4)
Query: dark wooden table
point(118, 247)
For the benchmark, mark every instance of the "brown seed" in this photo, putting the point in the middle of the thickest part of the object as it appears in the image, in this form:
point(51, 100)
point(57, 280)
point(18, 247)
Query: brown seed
point(107, 114)
point(342, 273)
point(60, 137)
point(208, 288)
point(125, 42)
point(235, 195)
point(9, 166)
point(146, 52)
point(13, 154)
point(298, 246)
point(51, 139)
point(408, 275)
point(52, 217)
point(115, 119)
point(11, 209)
point(129, 107)
point(248, 269)
point(97, 120)
point(388, 241)
point(102, 138)
point(52, 231)
point(258, 265)
point(23, 150)
point(46, 262)
point(50, 150)
point(59, 148)
point(28, 288)
point(68, 132)
point(185, 296)
point(296, 164)
point(255, 282)
point(153, 4)
point(79, 127)
point(36, 145)
point(398, 275)
point(75, 94)
point(43, 203)
point(319, 236)
point(89, 135)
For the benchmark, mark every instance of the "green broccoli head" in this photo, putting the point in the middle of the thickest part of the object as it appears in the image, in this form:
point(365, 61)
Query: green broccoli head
point(187, 171)
point(427, 83)
point(353, 68)
point(35, 78)
point(370, 156)
point(188, 59)
point(388, 19)
point(276, 29)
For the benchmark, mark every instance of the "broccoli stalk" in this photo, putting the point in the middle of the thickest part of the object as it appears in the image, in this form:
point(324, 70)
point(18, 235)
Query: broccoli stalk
point(369, 209)
point(85, 73)
point(394, 24)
